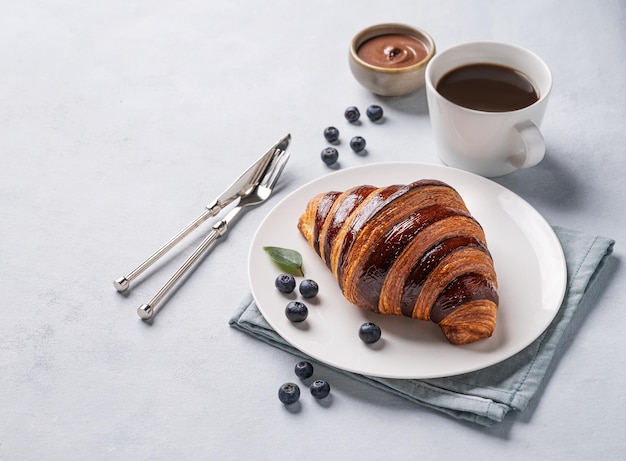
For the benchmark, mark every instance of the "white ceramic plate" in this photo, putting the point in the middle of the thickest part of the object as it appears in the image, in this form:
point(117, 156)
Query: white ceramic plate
point(527, 255)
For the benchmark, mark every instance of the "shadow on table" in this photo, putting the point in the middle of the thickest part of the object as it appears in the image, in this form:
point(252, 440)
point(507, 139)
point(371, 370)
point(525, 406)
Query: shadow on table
point(412, 104)
point(550, 183)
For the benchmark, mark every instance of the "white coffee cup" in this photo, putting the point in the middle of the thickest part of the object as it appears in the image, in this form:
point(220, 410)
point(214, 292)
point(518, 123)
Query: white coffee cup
point(488, 143)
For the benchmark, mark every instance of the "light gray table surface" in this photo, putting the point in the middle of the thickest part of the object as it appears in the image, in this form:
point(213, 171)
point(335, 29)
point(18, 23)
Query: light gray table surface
point(120, 121)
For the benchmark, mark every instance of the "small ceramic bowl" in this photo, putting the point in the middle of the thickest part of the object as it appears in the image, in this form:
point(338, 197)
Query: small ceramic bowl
point(386, 80)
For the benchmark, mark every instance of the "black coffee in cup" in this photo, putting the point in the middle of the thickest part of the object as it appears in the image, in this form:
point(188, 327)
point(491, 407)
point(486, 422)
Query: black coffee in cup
point(488, 87)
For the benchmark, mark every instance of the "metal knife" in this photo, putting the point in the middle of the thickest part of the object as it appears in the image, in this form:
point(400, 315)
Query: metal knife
point(249, 178)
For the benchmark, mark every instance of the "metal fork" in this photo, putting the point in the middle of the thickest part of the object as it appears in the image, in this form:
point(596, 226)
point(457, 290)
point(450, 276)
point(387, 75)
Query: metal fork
point(249, 177)
point(255, 195)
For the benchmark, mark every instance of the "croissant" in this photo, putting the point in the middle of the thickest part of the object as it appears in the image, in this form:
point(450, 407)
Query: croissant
point(413, 250)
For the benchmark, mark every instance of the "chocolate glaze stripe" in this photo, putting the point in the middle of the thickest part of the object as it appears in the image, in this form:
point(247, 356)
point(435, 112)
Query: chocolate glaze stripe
point(391, 295)
point(386, 250)
point(345, 205)
point(324, 206)
point(426, 195)
point(466, 260)
point(367, 212)
point(428, 262)
point(423, 194)
point(463, 289)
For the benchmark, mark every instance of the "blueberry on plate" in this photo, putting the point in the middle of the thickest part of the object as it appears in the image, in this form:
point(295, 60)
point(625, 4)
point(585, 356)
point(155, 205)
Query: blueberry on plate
point(320, 389)
point(357, 144)
point(329, 155)
point(308, 288)
point(289, 393)
point(331, 134)
point(374, 112)
point(352, 114)
point(285, 283)
point(296, 311)
point(304, 370)
point(369, 332)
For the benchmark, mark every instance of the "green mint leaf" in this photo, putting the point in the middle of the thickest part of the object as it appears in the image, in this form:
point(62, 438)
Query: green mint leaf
point(288, 260)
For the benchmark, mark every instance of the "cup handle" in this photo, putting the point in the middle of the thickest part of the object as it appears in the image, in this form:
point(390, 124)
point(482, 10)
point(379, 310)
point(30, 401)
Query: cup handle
point(534, 145)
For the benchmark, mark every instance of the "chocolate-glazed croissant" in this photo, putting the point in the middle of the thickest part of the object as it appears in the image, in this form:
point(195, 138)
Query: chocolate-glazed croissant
point(412, 250)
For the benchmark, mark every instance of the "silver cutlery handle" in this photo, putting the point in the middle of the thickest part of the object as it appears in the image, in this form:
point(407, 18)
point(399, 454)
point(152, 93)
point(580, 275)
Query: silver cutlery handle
point(122, 283)
point(145, 311)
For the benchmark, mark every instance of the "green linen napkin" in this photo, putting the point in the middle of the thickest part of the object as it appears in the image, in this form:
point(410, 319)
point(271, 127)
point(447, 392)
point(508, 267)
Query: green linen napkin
point(484, 396)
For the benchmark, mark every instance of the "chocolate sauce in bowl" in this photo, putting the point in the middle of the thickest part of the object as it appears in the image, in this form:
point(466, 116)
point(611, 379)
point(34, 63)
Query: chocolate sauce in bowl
point(393, 51)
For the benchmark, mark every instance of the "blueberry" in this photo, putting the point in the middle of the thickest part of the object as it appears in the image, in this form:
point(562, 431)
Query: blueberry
point(374, 112)
point(285, 283)
point(309, 288)
point(304, 370)
point(329, 156)
point(296, 311)
point(369, 332)
point(352, 114)
point(331, 134)
point(289, 393)
point(320, 389)
point(357, 144)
